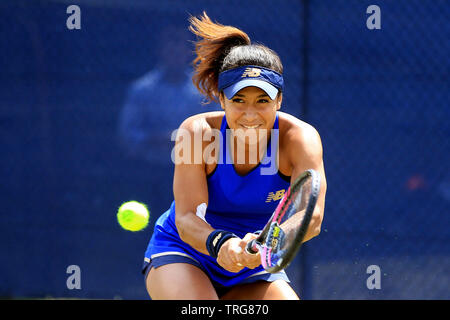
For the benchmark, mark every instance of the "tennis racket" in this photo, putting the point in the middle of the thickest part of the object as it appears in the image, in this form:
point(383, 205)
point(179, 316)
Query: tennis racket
point(281, 238)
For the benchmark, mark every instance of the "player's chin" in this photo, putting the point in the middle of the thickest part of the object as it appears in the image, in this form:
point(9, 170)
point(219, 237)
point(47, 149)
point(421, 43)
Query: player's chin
point(252, 136)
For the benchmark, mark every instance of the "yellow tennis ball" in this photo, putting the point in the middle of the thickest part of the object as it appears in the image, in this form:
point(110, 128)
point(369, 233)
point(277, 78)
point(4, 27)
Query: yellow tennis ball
point(133, 216)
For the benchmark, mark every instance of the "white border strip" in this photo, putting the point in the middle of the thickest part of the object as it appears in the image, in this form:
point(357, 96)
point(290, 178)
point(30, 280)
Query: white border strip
point(169, 253)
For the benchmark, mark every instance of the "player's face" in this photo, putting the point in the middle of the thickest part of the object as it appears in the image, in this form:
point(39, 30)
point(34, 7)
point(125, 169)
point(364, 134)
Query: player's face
point(250, 109)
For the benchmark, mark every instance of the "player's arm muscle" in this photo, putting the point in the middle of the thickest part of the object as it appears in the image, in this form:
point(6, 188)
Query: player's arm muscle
point(305, 152)
point(190, 189)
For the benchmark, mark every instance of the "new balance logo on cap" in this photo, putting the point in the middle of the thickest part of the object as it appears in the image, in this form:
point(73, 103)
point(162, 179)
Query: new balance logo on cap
point(251, 72)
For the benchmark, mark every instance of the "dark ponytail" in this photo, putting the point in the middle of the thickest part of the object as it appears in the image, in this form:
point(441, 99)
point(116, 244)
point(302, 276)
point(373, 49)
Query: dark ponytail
point(211, 51)
point(222, 48)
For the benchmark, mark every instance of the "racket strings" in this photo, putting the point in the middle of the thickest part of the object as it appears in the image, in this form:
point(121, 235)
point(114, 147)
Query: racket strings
point(294, 213)
point(287, 227)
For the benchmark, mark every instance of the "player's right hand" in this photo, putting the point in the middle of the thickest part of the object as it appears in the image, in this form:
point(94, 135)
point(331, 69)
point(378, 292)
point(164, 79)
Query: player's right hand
point(228, 256)
point(232, 256)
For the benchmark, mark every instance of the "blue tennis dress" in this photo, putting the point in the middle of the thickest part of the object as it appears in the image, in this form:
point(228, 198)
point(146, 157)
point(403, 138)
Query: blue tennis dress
point(238, 203)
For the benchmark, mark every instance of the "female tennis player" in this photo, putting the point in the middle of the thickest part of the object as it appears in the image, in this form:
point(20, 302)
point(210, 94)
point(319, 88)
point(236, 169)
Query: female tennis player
point(222, 197)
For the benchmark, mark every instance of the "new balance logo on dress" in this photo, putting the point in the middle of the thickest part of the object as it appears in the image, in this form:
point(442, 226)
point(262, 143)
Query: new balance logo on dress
point(275, 196)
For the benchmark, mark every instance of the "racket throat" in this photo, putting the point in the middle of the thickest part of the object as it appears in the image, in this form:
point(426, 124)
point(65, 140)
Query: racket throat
point(272, 246)
point(275, 237)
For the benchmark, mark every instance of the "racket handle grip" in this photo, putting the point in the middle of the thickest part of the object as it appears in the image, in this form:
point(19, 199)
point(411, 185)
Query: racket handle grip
point(251, 247)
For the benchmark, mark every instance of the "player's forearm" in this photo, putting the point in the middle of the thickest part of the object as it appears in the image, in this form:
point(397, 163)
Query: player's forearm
point(193, 230)
point(315, 225)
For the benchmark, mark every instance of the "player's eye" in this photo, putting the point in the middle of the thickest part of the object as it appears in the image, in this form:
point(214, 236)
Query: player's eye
point(263, 101)
point(237, 100)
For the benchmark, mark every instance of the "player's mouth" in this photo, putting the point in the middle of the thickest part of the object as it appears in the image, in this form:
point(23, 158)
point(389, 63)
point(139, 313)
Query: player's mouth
point(254, 126)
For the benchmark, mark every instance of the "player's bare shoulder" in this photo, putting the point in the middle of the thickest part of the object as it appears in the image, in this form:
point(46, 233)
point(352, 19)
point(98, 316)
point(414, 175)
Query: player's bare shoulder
point(298, 136)
point(199, 130)
point(294, 128)
point(203, 122)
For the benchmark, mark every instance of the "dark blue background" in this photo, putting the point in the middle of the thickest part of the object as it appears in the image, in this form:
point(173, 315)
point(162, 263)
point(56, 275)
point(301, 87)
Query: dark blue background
point(379, 98)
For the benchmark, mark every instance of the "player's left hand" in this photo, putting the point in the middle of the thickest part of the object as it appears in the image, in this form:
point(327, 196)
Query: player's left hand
point(250, 261)
point(233, 257)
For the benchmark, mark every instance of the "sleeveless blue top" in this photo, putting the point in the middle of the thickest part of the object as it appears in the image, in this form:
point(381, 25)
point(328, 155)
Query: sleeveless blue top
point(244, 203)
point(238, 203)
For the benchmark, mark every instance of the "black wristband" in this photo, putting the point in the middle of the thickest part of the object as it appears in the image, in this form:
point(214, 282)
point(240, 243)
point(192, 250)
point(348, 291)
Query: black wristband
point(216, 239)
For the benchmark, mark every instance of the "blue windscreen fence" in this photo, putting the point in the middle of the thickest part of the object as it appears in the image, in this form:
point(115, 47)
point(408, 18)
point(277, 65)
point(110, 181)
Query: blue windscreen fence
point(87, 111)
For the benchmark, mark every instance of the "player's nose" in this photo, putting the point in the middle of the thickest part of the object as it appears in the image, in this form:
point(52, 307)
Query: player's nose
point(250, 115)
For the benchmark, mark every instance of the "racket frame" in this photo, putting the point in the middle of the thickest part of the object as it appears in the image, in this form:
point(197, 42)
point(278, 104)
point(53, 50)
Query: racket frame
point(258, 244)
